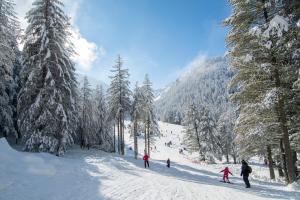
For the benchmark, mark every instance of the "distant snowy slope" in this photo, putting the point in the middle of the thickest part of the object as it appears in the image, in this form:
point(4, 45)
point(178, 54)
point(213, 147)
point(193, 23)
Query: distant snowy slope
point(161, 92)
point(205, 83)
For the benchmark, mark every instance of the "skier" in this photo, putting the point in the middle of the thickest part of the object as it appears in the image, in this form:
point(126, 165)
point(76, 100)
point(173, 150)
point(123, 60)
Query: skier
point(168, 163)
point(225, 174)
point(246, 170)
point(146, 160)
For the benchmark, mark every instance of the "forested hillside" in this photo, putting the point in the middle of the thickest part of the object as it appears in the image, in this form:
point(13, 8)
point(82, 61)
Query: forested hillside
point(205, 84)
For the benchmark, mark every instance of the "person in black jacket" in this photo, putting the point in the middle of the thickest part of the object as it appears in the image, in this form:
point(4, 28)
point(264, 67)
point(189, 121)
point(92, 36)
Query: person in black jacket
point(245, 173)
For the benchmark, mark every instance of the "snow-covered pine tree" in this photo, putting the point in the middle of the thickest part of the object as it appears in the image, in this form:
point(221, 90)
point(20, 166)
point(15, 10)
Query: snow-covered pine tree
point(119, 99)
point(17, 87)
point(87, 130)
point(200, 130)
point(191, 125)
point(292, 10)
point(226, 134)
point(151, 127)
point(103, 123)
point(46, 104)
point(137, 112)
point(260, 40)
point(8, 48)
point(256, 119)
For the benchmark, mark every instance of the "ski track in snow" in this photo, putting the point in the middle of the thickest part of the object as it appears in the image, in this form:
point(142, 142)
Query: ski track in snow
point(94, 175)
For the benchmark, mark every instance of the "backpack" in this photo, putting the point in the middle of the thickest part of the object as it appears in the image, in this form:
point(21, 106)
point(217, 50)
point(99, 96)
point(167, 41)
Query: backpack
point(249, 169)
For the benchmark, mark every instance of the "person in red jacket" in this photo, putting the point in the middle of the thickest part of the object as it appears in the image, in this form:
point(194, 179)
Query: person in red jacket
point(226, 173)
point(146, 160)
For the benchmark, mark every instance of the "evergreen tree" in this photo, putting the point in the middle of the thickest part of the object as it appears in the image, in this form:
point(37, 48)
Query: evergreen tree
point(226, 134)
point(46, 101)
point(8, 42)
point(262, 43)
point(119, 99)
point(149, 117)
point(103, 123)
point(191, 125)
point(200, 129)
point(137, 113)
point(16, 89)
point(86, 116)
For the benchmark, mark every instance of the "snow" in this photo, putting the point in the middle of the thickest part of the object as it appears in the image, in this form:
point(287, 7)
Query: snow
point(270, 98)
point(248, 58)
point(268, 4)
point(294, 186)
point(157, 98)
point(255, 31)
point(94, 175)
point(268, 44)
point(159, 93)
point(277, 26)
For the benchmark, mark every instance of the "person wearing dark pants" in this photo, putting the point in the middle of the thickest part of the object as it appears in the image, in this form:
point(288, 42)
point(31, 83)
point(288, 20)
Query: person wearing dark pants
point(146, 160)
point(246, 180)
point(246, 170)
point(168, 163)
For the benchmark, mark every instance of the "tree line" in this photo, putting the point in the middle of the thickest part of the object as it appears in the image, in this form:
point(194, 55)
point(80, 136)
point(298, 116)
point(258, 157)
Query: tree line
point(41, 103)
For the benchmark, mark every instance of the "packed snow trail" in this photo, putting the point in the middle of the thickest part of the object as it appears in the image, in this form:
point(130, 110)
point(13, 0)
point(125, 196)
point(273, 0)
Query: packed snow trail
point(94, 175)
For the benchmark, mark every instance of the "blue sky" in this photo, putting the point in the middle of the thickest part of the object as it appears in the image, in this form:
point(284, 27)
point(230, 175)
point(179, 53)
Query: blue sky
point(158, 37)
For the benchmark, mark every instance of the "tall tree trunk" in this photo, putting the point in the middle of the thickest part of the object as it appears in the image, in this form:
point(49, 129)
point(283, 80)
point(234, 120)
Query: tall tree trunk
point(135, 139)
point(270, 159)
point(119, 135)
point(227, 157)
point(148, 135)
point(198, 140)
point(233, 149)
point(227, 152)
point(284, 129)
point(122, 135)
point(145, 136)
point(114, 137)
point(283, 161)
point(234, 158)
point(280, 172)
point(295, 161)
point(123, 131)
point(279, 165)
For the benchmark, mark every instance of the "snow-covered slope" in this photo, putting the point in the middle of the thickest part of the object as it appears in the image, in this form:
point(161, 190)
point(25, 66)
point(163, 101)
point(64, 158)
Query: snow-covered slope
point(92, 174)
point(204, 83)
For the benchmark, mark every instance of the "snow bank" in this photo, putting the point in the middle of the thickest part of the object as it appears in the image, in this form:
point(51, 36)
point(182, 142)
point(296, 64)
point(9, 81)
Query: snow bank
point(294, 186)
point(30, 163)
point(44, 176)
point(5, 148)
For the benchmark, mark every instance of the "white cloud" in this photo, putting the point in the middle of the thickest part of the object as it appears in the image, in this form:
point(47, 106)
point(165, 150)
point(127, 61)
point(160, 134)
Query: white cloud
point(190, 67)
point(87, 52)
